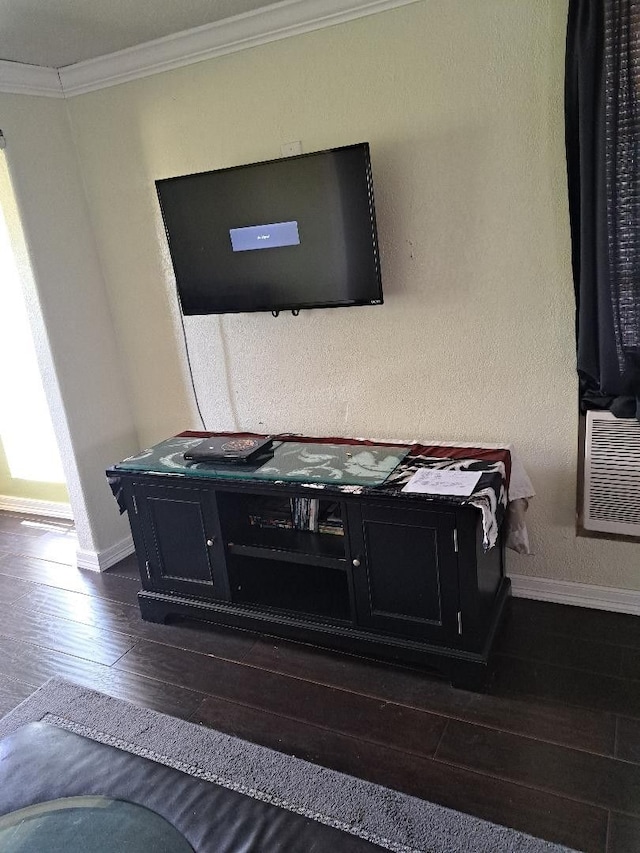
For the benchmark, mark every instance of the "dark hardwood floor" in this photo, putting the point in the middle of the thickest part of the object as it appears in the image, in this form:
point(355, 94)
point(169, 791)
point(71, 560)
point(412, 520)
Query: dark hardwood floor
point(553, 747)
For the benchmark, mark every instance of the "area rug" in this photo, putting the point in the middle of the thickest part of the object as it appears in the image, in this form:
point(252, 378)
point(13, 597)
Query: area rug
point(388, 818)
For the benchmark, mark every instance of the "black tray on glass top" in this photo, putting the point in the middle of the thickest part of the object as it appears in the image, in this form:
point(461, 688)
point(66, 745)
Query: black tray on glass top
point(228, 449)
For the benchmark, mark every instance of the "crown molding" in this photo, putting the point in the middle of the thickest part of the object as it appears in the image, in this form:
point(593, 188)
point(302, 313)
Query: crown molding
point(17, 78)
point(277, 21)
point(271, 23)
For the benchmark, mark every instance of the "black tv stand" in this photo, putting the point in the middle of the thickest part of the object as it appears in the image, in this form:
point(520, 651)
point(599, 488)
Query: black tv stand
point(398, 579)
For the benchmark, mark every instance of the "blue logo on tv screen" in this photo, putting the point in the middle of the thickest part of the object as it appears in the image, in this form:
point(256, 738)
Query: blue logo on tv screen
point(264, 236)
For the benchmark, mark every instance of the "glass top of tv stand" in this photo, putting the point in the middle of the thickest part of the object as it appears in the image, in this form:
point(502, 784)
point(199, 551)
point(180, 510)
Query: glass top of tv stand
point(289, 461)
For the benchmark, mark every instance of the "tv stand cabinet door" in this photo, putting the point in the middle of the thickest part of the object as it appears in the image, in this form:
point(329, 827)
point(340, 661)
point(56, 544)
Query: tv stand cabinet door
point(183, 549)
point(405, 571)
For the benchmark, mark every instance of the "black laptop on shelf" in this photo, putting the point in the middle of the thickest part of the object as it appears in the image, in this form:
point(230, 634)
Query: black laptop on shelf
point(228, 449)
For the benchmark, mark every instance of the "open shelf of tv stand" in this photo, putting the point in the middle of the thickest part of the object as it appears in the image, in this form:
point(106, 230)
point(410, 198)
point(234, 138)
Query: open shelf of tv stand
point(310, 558)
point(398, 578)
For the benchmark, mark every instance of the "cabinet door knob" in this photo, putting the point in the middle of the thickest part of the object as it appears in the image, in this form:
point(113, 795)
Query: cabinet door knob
point(210, 542)
point(356, 562)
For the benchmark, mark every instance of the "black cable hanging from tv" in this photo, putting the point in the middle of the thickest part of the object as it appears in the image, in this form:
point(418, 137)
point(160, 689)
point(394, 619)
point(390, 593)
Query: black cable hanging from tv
point(186, 349)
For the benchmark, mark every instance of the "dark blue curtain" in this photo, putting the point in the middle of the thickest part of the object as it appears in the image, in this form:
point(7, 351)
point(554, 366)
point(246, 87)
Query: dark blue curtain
point(602, 86)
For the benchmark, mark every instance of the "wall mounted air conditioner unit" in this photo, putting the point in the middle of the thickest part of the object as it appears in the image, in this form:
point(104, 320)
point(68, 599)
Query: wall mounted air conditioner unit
point(612, 474)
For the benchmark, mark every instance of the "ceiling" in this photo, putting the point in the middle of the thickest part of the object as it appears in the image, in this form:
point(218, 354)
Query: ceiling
point(56, 33)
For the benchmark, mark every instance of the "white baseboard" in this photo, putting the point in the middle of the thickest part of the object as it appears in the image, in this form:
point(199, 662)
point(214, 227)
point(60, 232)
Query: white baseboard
point(28, 506)
point(100, 561)
point(578, 594)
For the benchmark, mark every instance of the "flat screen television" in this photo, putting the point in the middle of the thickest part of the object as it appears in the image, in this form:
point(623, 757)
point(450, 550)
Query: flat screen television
point(287, 234)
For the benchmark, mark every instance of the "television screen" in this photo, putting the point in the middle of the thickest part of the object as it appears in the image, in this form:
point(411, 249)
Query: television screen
point(298, 232)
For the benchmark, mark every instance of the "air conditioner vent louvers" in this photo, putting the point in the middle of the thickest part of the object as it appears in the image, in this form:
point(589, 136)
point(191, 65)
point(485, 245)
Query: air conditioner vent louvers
point(612, 474)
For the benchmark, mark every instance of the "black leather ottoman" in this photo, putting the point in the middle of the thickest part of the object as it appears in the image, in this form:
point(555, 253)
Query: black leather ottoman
point(40, 762)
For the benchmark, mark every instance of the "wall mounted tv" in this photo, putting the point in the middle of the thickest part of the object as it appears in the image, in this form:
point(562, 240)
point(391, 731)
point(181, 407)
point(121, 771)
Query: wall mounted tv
point(287, 234)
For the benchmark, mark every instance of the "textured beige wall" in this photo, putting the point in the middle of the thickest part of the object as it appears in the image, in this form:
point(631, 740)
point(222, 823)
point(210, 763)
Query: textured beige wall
point(13, 486)
point(461, 101)
point(69, 311)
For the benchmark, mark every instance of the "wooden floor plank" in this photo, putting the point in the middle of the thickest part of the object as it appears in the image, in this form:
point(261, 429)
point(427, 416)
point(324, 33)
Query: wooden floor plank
point(33, 525)
point(519, 678)
point(595, 779)
point(339, 710)
point(55, 548)
point(546, 618)
point(63, 635)
point(572, 652)
point(579, 728)
point(624, 834)
point(628, 740)
point(127, 568)
point(584, 729)
point(12, 693)
point(34, 664)
point(143, 691)
point(126, 619)
point(631, 663)
point(190, 670)
point(543, 815)
point(11, 589)
point(20, 524)
point(57, 575)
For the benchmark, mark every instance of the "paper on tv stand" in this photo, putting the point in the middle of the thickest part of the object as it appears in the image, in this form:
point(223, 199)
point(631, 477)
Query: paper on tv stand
point(428, 481)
